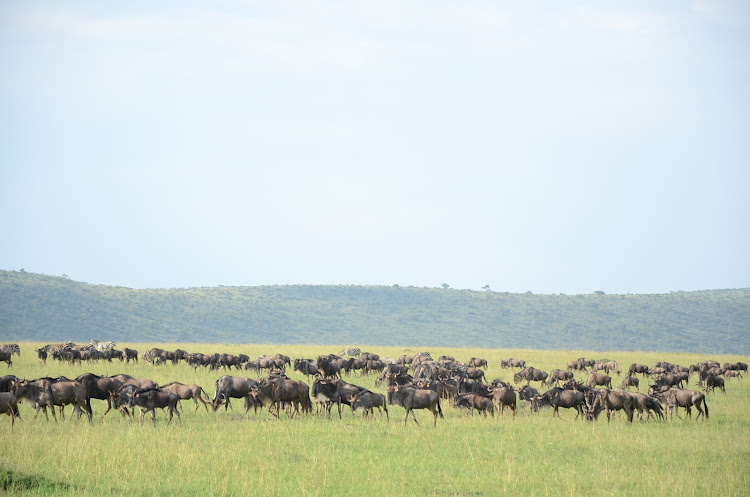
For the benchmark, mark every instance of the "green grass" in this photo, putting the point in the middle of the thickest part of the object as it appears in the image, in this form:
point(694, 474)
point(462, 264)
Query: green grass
point(230, 453)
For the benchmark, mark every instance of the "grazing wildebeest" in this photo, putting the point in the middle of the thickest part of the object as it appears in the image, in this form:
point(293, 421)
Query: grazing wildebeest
point(680, 397)
point(636, 368)
point(645, 403)
point(411, 398)
point(368, 401)
point(185, 392)
point(557, 375)
point(391, 369)
point(612, 367)
point(512, 362)
point(232, 387)
point(630, 381)
point(612, 400)
point(153, 398)
point(577, 366)
point(504, 396)
point(273, 392)
point(670, 380)
point(473, 401)
point(8, 406)
point(329, 392)
point(478, 362)
point(732, 374)
point(599, 379)
point(713, 381)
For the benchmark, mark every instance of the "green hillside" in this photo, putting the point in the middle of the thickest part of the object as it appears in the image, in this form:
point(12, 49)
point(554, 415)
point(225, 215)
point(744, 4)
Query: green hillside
point(49, 308)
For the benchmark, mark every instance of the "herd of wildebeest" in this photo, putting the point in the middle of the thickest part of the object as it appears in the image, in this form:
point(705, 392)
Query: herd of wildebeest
point(412, 382)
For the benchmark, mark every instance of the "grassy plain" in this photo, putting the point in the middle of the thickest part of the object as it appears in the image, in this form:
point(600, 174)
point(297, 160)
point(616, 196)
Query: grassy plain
point(232, 453)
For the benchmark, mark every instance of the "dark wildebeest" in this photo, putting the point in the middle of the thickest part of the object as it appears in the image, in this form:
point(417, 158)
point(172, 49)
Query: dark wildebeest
point(643, 403)
point(670, 380)
point(612, 400)
point(99, 387)
point(153, 398)
point(680, 397)
point(329, 368)
point(45, 393)
point(599, 379)
point(42, 355)
point(329, 392)
point(577, 366)
point(368, 401)
point(557, 375)
point(713, 381)
point(6, 357)
point(630, 381)
point(477, 362)
point(306, 366)
point(473, 401)
point(531, 374)
point(8, 406)
point(273, 392)
point(121, 398)
point(411, 398)
point(526, 393)
point(185, 392)
point(232, 387)
point(636, 368)
point(513, 363)
point(504, 396)
point(568, 399)
point(6, 382)
point(129, 354)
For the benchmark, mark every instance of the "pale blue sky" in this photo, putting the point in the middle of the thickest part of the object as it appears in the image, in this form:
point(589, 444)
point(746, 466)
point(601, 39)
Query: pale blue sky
point(557, 147)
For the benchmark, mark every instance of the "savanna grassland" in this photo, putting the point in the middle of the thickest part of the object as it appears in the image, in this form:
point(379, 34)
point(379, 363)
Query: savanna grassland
point(233, 453)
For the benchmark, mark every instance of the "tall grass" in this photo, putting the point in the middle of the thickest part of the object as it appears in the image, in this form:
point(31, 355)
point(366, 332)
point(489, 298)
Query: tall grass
point(232, 453)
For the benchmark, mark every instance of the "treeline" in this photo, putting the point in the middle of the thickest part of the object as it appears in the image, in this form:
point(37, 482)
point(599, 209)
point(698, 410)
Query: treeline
point(49, 308)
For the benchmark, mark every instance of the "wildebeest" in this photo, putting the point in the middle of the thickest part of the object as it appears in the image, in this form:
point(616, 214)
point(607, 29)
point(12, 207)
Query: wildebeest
point(6, 357)
point(599, 379)
point(531, 374)
point(129, 354)
point(99, 387)
point(306, 366)
point(636, 368)
point(329, 392)
point(328, 368)
point(557, 375)
point(504, 396)
point(645, 403)
point(612, 400)
point(577, 365)
point(713, 381)
point(568, 399)
point(153, 398)
point(630, 381)
point(477, 362)
point(45, 393)
point(8, 406)
point(680, 397)
point(6, 382)
point(512, 362)
point(526, 393)
point(473, 401)
point(185, 392)
point(273, 392)
point(368, 401)
point(411, 398)
point(232, 387)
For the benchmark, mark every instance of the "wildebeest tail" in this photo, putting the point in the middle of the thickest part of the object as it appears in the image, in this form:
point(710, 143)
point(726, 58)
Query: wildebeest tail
point(205, 394)
point(705, 406)
point(440, 410)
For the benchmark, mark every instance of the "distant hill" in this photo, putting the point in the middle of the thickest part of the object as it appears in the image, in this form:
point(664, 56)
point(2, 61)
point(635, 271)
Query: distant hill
point(49, 308)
